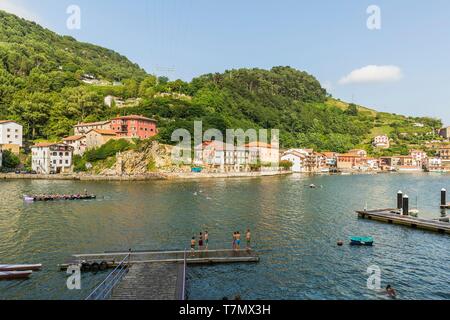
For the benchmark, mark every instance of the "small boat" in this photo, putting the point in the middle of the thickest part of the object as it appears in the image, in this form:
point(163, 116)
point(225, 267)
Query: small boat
point(28, 198)
point(312, 186)
point(20, 267)
point(15, 275)
point(361, 241)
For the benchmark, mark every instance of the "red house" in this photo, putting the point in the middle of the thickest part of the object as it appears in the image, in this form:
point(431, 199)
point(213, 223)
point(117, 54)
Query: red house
point(134, 126)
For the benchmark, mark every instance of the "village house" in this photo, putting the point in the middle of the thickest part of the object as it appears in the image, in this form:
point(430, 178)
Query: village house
point(298, 160)
point(444, 154)
point(48, 158)
point(77, 142)
point(330, 159)
point(381, 142)
point(435, 165)
point(389, 163)
point(83, 128)
point(134, 127)
point(264, 153)
point(408, 163)
point(222, 157)
point(420, 157)
point(349, 161)
point(373, 164)
point(97, 137)
point(11, 136)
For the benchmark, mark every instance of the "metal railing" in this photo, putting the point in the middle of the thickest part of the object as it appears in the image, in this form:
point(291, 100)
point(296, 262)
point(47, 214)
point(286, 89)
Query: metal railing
point(104, 289)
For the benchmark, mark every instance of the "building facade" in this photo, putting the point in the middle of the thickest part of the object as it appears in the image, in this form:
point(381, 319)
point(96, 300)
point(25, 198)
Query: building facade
point(222, 157)
point(134, 127)
point(83, 128)
point(263, 153)
point(11, 136)
point(48, 158)
point(78, 143)
point(445, 133)
point(96, 138)
point(381, 142)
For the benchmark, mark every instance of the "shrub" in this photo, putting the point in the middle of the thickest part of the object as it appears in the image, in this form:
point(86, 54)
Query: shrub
point(10, 160)
point(109, 149)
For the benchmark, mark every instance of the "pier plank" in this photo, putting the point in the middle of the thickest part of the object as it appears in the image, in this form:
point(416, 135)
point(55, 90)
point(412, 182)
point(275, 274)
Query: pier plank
point(386, 215)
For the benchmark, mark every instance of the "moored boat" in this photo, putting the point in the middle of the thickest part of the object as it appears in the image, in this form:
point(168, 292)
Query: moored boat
point(361, 241)
point(15, 275)
point(20, 267)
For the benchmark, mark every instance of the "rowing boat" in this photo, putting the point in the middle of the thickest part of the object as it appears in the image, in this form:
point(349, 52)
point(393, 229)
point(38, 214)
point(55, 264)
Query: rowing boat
point(28, 198)
point(20, 267)
point(15, 275)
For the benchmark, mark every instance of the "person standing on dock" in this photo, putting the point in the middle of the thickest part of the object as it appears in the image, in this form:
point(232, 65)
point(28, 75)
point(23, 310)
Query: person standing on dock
point(234, 241)
point(238, 240)
point(206, 240)
point(200, 241)
point(193, 245)
point(248, 238)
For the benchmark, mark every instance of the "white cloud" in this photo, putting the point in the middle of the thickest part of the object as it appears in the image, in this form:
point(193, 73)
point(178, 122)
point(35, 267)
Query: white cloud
point(373, 74)
point(19, 10)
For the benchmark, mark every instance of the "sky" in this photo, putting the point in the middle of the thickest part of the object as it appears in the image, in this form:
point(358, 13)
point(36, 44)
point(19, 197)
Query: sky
point(392, 56)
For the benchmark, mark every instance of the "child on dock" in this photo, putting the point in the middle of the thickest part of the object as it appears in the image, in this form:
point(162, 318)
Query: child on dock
point(200, 241)
point(206, 240)
point(193, 245)
point(248, 237)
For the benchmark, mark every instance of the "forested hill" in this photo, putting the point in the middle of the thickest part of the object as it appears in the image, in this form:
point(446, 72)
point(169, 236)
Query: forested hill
point(41, 87)
point(26, 48)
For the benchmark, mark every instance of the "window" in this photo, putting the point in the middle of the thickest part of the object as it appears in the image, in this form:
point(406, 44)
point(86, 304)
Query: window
point(55, 153)
point(67, 161)
point(60, 161)
point(54, 161)
point(67, 154)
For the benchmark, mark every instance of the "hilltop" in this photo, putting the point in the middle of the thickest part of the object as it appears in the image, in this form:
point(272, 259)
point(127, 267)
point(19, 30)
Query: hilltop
point(43, 86)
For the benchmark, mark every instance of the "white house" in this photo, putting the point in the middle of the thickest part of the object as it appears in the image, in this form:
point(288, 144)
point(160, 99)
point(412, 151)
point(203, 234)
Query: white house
point(381, 142)
point(47, 158)
point(11, 136)
point(419, 156)
point(78, 143)
point(299, 159)
point(264, 153)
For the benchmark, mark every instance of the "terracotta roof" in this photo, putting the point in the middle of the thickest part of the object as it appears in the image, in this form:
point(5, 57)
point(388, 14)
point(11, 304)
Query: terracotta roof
point(258, 144)
point(349, 155)
point(73, 138)
point(134, 117)
point(104, 132)
point(7, 121)
point(44, 144)
point(92, 123)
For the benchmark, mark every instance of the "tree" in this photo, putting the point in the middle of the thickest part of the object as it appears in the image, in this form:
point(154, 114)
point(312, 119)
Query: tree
point(10, 160)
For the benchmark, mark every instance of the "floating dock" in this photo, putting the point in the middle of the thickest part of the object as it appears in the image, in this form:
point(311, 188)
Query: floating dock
point(152, 275)
point(392, 217)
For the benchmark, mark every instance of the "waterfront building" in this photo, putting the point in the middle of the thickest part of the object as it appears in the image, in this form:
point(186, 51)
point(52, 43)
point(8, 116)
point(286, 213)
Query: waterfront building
point(297, 159)
point(47, 158)
point(77, 142)
point(444, 154)
point(222, 157)
point(134, 127)
point(373, 164)
point(96, 138)
point(435, 165)
point(349, 161)
point(419, 156)
point(264, 153)
point(330, 159)
point(381, 142)
point(83, 128)
point(11, 136)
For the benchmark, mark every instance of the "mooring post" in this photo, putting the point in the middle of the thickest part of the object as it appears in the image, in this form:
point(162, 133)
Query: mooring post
point(443, 197)
point(406, 205)
point(399, 200)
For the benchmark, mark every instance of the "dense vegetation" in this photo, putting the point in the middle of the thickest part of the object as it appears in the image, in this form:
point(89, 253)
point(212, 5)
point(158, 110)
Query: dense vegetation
point(41, 87)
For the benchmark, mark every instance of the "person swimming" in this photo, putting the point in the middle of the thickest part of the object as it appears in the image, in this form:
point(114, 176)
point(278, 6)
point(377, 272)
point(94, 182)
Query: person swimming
point(391, 291)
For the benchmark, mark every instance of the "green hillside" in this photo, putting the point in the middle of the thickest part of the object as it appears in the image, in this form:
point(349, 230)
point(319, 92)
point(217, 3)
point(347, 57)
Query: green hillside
point(41, 87)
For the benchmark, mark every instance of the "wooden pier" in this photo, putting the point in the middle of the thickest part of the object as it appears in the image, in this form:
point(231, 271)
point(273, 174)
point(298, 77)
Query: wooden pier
point(392, 217)
point(153, 275)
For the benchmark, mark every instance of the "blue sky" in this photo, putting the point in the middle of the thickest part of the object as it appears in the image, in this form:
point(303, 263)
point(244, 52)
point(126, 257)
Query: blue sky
point(409, 55)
